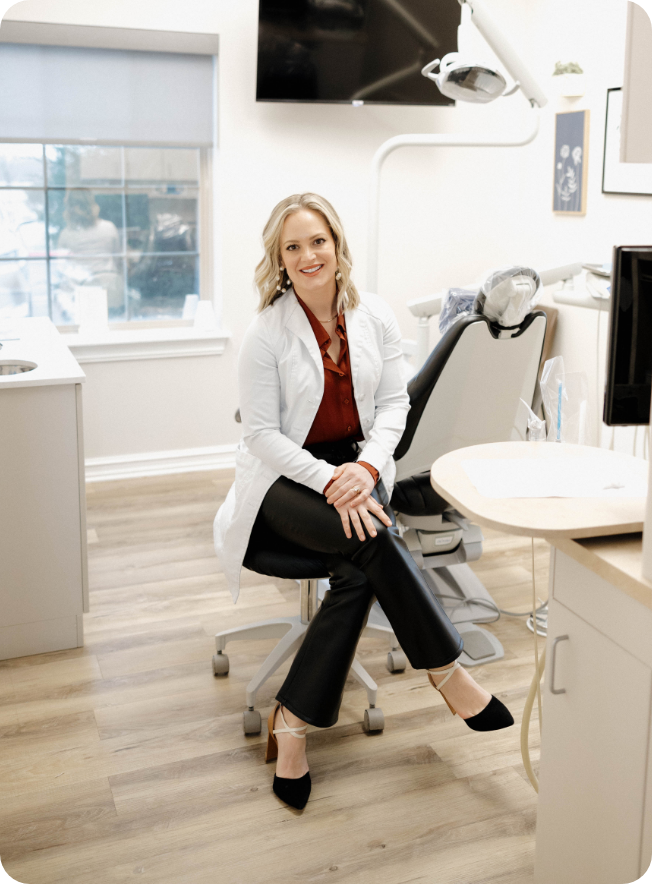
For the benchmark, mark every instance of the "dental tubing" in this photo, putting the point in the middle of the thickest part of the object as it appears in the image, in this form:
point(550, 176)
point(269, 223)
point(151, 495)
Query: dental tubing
point(525, 724)
point(535, 690)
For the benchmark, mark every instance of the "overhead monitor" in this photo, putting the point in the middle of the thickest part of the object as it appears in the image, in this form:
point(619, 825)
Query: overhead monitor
point(629, 367)
point(369, 51)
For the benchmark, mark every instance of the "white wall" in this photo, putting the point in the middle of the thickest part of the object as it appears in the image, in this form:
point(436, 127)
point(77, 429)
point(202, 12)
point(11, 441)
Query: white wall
point(447, 215)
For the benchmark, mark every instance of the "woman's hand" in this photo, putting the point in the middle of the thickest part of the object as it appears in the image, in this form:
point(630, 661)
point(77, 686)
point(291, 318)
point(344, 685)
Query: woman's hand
point(350, 493)
point(350, 481)
point(358, 514)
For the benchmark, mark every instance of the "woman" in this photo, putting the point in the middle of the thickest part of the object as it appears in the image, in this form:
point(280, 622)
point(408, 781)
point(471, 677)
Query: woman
point(323, 407)
point(93, 244)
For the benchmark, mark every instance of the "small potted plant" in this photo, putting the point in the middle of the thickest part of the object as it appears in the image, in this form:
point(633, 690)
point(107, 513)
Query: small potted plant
point(570, 79)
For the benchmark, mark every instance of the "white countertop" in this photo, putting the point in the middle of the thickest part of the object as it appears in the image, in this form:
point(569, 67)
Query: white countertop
point(37, 340)
point(618, 559)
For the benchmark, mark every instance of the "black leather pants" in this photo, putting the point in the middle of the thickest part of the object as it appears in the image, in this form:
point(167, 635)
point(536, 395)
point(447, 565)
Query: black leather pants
point(379, 566)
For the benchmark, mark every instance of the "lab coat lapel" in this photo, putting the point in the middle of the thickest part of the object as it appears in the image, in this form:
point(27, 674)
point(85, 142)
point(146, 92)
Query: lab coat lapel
point(297, 322)
point(354, 335)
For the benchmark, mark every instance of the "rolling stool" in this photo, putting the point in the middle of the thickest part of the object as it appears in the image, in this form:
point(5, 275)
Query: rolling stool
point(289, 561)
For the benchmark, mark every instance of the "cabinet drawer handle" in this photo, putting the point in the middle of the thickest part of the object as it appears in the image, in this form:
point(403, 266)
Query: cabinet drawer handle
point(555, 642)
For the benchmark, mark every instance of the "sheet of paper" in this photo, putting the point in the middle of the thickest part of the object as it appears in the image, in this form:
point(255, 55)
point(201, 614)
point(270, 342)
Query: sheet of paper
point(554, 477)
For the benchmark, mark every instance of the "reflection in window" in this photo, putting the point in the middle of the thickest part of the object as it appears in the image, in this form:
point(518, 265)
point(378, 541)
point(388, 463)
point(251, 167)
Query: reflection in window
point(22, 223)
point(23, 289)
point(157, 280)
point(123, 219)
point(21, 165)
point(76, 165)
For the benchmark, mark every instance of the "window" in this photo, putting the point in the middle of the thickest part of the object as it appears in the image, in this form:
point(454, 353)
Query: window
point(124, 219)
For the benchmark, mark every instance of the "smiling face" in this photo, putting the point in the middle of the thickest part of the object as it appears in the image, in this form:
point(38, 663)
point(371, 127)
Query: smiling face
point(308, 253)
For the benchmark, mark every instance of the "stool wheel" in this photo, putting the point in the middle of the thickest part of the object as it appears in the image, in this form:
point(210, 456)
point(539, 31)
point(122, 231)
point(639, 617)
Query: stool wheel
point(251, 722)
point(396, 661)
point(220, 664)
point(374, 720)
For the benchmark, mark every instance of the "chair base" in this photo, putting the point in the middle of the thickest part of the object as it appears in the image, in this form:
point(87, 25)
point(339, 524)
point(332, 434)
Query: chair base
point(480, 646)
point(291, 631)
point(461, 594)
point(452, 577)
point(461, 583)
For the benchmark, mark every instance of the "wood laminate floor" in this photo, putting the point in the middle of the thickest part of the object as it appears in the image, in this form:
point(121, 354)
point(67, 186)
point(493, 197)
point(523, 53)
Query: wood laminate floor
point(125, 760)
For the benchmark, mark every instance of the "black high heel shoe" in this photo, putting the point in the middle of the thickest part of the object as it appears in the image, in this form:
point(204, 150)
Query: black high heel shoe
point(493, 717)
point(294, 792)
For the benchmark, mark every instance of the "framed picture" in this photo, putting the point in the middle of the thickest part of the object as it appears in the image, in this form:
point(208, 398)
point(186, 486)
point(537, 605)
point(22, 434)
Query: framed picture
point(617, 177)
point(571, 167)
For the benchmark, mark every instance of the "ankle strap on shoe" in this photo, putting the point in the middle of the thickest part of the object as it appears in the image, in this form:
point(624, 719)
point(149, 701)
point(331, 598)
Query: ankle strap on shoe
point(449, 672)
point(290, 730)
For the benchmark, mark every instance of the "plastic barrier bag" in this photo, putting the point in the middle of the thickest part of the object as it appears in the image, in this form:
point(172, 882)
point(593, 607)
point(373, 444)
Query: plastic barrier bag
point(565, 402)
point(457, 303)
point(536, 426)
point(508, 295)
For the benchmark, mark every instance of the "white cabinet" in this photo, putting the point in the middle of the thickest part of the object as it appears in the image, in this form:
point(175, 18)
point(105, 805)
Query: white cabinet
point(596, 734)
point(594, 818)
point(43, 567)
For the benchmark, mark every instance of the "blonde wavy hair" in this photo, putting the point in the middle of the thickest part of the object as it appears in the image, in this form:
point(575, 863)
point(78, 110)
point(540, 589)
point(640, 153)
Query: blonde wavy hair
point(267, 272)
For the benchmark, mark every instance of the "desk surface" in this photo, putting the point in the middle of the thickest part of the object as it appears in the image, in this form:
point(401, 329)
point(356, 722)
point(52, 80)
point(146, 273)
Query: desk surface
point(551, 517)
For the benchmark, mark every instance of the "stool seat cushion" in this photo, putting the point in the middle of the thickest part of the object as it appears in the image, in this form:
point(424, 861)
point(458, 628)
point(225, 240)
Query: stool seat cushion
point(277, 563)
point(274, 556)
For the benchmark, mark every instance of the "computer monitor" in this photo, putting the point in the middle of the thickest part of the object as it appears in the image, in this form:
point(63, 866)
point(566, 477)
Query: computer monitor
point(629, 367)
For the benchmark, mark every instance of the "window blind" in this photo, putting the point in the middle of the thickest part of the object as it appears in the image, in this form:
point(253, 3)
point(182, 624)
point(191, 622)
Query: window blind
point(63, 94)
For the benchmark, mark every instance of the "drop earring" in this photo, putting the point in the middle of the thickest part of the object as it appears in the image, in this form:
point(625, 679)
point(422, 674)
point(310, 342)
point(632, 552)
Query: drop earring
point(278, 281)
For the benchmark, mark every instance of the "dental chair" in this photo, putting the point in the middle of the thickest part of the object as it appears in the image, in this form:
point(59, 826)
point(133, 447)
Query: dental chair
point(466, 393)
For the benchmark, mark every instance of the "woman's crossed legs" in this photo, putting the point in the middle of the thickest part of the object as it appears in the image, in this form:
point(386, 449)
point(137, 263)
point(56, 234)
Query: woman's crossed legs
point(379, 566)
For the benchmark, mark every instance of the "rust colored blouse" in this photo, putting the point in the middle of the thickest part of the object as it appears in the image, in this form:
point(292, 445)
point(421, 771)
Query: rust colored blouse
point(337, 417)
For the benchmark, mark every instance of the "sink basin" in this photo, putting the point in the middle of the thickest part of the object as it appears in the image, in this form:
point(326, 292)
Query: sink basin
point(16, 366)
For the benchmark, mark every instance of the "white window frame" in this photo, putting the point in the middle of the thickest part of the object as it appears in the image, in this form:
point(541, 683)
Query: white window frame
point(151, 339)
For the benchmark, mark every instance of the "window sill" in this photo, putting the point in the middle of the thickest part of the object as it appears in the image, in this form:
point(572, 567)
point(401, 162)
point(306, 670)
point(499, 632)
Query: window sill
point(143, 343)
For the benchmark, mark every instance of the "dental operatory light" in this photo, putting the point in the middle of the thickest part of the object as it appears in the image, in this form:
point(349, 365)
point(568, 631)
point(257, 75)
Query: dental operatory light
point(460, 79)
point(469, 82)
point(480, 84)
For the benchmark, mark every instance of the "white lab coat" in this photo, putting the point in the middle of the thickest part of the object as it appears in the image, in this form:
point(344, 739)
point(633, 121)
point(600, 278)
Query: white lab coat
point(281, 384)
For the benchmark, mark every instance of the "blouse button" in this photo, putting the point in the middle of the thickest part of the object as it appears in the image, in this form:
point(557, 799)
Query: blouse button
point(348, 429)
point(346, 401)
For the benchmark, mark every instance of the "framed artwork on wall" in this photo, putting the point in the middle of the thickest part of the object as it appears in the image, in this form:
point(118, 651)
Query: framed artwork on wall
point(571, 166)
point(617, 177)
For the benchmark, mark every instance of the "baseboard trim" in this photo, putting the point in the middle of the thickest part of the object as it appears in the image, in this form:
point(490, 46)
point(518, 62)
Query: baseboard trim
point(160, 463)
point(39, 637)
